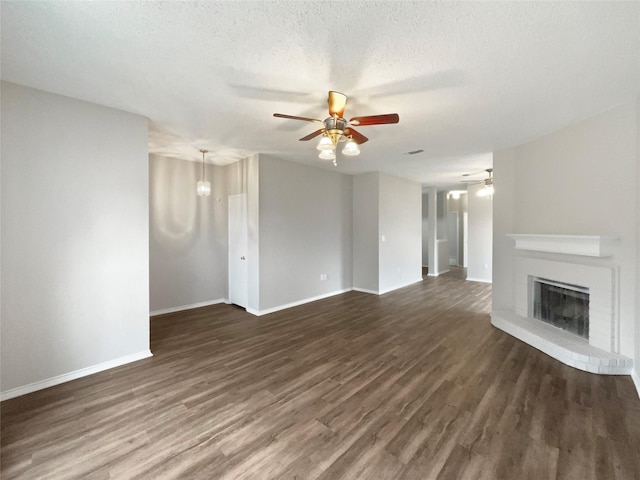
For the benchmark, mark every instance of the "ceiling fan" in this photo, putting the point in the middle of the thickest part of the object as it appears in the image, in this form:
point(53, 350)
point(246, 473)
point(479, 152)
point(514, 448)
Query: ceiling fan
point(488, 182)
point(336, 129)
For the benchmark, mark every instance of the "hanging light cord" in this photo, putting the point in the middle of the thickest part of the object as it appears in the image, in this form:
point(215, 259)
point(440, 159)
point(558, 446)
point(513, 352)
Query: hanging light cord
point(203, 152)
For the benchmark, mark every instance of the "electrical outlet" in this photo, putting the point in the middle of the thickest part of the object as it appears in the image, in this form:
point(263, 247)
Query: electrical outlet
point(323, 276)
point(485, 265)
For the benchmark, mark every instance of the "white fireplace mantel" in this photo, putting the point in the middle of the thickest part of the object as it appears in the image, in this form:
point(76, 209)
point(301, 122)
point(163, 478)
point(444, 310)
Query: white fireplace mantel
point(587, 245)
point(571, 260)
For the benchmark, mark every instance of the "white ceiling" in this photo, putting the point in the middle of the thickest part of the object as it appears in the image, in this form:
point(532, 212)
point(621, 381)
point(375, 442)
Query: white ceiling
point(466, 78)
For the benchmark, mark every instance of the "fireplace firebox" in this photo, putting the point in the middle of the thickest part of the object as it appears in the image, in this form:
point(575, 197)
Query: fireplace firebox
point(562, 305)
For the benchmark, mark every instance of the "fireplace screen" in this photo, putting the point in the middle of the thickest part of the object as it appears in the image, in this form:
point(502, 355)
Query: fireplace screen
point(561, 305)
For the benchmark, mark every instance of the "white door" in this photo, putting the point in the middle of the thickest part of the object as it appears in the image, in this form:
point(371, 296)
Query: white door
point(238, 272)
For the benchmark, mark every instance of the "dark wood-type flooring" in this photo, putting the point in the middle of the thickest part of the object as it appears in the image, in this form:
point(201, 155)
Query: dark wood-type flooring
point(414, 384)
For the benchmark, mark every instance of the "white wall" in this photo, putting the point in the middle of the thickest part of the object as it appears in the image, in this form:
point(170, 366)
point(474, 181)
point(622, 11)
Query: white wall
point(400, 222)
point(305, 231)
point(480, 246)
point(75, 238)
point(580, 180)
point(188, 235)
point(366, 225)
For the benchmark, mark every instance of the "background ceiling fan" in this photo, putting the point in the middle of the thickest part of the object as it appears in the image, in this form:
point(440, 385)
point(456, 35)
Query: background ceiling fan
point(336, 129)
point(488, 182)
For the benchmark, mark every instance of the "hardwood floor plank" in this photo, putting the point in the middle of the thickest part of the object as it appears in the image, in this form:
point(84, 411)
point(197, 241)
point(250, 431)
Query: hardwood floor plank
point(413, 384)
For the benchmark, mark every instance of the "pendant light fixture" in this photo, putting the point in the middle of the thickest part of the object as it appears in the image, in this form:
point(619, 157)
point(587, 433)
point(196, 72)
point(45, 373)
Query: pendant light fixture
point(204, 187)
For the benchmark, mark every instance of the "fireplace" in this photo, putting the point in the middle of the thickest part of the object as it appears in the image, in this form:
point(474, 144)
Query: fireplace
point(566, 300)
point(562, 305)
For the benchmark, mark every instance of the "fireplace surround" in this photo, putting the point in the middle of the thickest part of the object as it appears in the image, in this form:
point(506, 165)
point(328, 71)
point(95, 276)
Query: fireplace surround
point(572, 260)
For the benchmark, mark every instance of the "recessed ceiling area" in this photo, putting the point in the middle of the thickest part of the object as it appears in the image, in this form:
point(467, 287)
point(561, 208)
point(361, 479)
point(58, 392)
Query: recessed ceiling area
point(466, 78)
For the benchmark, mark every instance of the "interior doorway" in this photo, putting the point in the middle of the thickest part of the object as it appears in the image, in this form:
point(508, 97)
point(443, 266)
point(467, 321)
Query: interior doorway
point(238, 243)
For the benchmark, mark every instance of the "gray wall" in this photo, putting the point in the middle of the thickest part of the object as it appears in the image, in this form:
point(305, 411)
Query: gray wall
point(502, 292)
point(75, 236)
point(578, 181)
point(425, 229)
point(458, 205)
point(480, 235)
point(400, 221)
point(432, 233)
point(188, 235)
point(636, 369)
point(305, 231)
point(442, 210)
point(366, 232)
point(387, 227)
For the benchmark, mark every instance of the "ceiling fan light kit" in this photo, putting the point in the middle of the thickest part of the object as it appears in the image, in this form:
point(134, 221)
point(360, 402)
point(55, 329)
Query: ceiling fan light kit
point(351, 148)
point(337, 129)
point(487, 191)
point(327, 155)
point(325, 143)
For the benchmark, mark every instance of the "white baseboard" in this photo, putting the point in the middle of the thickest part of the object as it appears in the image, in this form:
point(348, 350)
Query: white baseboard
point(366, 290)
point(399, 286)
point(295, 304)
point(187, 307)
point(483, 280)
point(387, 290)
point(438, 273)
point(67, 377)
point(635, 376)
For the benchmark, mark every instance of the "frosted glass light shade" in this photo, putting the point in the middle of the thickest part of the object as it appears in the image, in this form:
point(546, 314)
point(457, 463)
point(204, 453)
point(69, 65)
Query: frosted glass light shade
point(324, 144)
point(204, 188)
point(486, 191)
point(351, 148)
point(327, 155)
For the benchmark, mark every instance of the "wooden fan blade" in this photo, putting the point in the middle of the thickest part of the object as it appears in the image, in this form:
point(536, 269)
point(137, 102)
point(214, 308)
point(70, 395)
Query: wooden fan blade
point(337, 102)
point(357, 136)
point(312, 135)
point(375, 119)
point(293, 117)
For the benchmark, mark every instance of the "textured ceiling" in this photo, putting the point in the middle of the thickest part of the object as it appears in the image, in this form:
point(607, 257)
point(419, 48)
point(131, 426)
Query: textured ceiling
point(466, 78)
